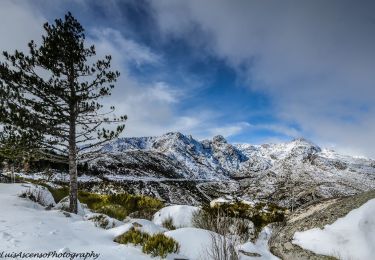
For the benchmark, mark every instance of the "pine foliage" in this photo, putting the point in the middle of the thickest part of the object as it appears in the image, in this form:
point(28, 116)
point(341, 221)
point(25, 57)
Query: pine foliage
point(49, 98)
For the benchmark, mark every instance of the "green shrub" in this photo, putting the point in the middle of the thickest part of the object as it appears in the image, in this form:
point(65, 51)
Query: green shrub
point(156, 245)
point(119, 206)
point(93, 200)
point(160, 245)
point(168, 223)
point(59, 193)
point(114, 211)
point(133, 236)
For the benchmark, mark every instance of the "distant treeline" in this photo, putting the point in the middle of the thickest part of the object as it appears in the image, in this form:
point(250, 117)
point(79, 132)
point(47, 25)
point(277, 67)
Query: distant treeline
point(38, 166)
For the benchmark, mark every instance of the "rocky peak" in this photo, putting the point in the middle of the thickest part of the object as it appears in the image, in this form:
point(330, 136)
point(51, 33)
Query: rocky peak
point(304, 145)
point(219, 139)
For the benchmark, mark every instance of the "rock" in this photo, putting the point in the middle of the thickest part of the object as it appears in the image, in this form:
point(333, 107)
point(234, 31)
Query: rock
point(288, 246)
point(66, 214)
point(251, 254)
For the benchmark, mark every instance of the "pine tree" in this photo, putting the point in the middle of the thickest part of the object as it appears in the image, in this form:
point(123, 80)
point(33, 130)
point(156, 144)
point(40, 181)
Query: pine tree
point(52, 94)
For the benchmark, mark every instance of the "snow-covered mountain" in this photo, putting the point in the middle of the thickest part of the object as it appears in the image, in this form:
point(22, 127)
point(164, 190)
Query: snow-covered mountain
point(171, 155)
point(298, 169)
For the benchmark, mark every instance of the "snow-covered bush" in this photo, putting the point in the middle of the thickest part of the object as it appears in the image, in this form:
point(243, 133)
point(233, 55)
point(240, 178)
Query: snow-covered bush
point(180, 215)
point(102, 221)
point(168, 223)
point(145, 225)
point(40, 195)
point(64, 205)
point(160, 245)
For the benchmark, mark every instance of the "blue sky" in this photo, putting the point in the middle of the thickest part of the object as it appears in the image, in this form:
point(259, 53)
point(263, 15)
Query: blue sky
point(252, 71)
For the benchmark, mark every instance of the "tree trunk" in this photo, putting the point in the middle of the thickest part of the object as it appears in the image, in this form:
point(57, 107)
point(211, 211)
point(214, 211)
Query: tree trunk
point(73, 194)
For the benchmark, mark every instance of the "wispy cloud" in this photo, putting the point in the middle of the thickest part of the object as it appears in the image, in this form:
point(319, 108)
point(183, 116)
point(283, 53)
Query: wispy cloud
point(230, 129)
point(113, 41)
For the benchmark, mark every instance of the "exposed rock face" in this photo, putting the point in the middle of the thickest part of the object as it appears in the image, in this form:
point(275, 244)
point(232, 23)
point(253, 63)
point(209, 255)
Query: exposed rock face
point(290, 174)
point(314, 216)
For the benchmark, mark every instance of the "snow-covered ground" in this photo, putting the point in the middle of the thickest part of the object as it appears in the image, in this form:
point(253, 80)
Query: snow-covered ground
point(28, 227)
point(350, 237)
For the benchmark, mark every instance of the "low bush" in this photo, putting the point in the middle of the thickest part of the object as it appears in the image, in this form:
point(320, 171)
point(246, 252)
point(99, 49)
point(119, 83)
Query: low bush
point(102, 221)
point(160, 245)
point(119, 206)
point(156, 245)
point(118, 212)
point(168, 223)
point(133, 236)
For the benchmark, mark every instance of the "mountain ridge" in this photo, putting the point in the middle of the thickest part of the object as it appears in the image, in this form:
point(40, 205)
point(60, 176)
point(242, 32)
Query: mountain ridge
point(276, 172)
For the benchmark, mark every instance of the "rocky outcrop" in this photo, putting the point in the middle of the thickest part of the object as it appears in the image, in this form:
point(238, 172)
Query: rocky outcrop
point(316, 215)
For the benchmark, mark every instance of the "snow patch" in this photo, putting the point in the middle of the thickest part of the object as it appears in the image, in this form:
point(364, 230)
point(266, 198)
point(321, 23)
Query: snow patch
point(194, 242)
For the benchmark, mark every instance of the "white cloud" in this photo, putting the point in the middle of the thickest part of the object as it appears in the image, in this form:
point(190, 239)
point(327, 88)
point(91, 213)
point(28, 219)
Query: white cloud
point(315, 59)
point(18, 26)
